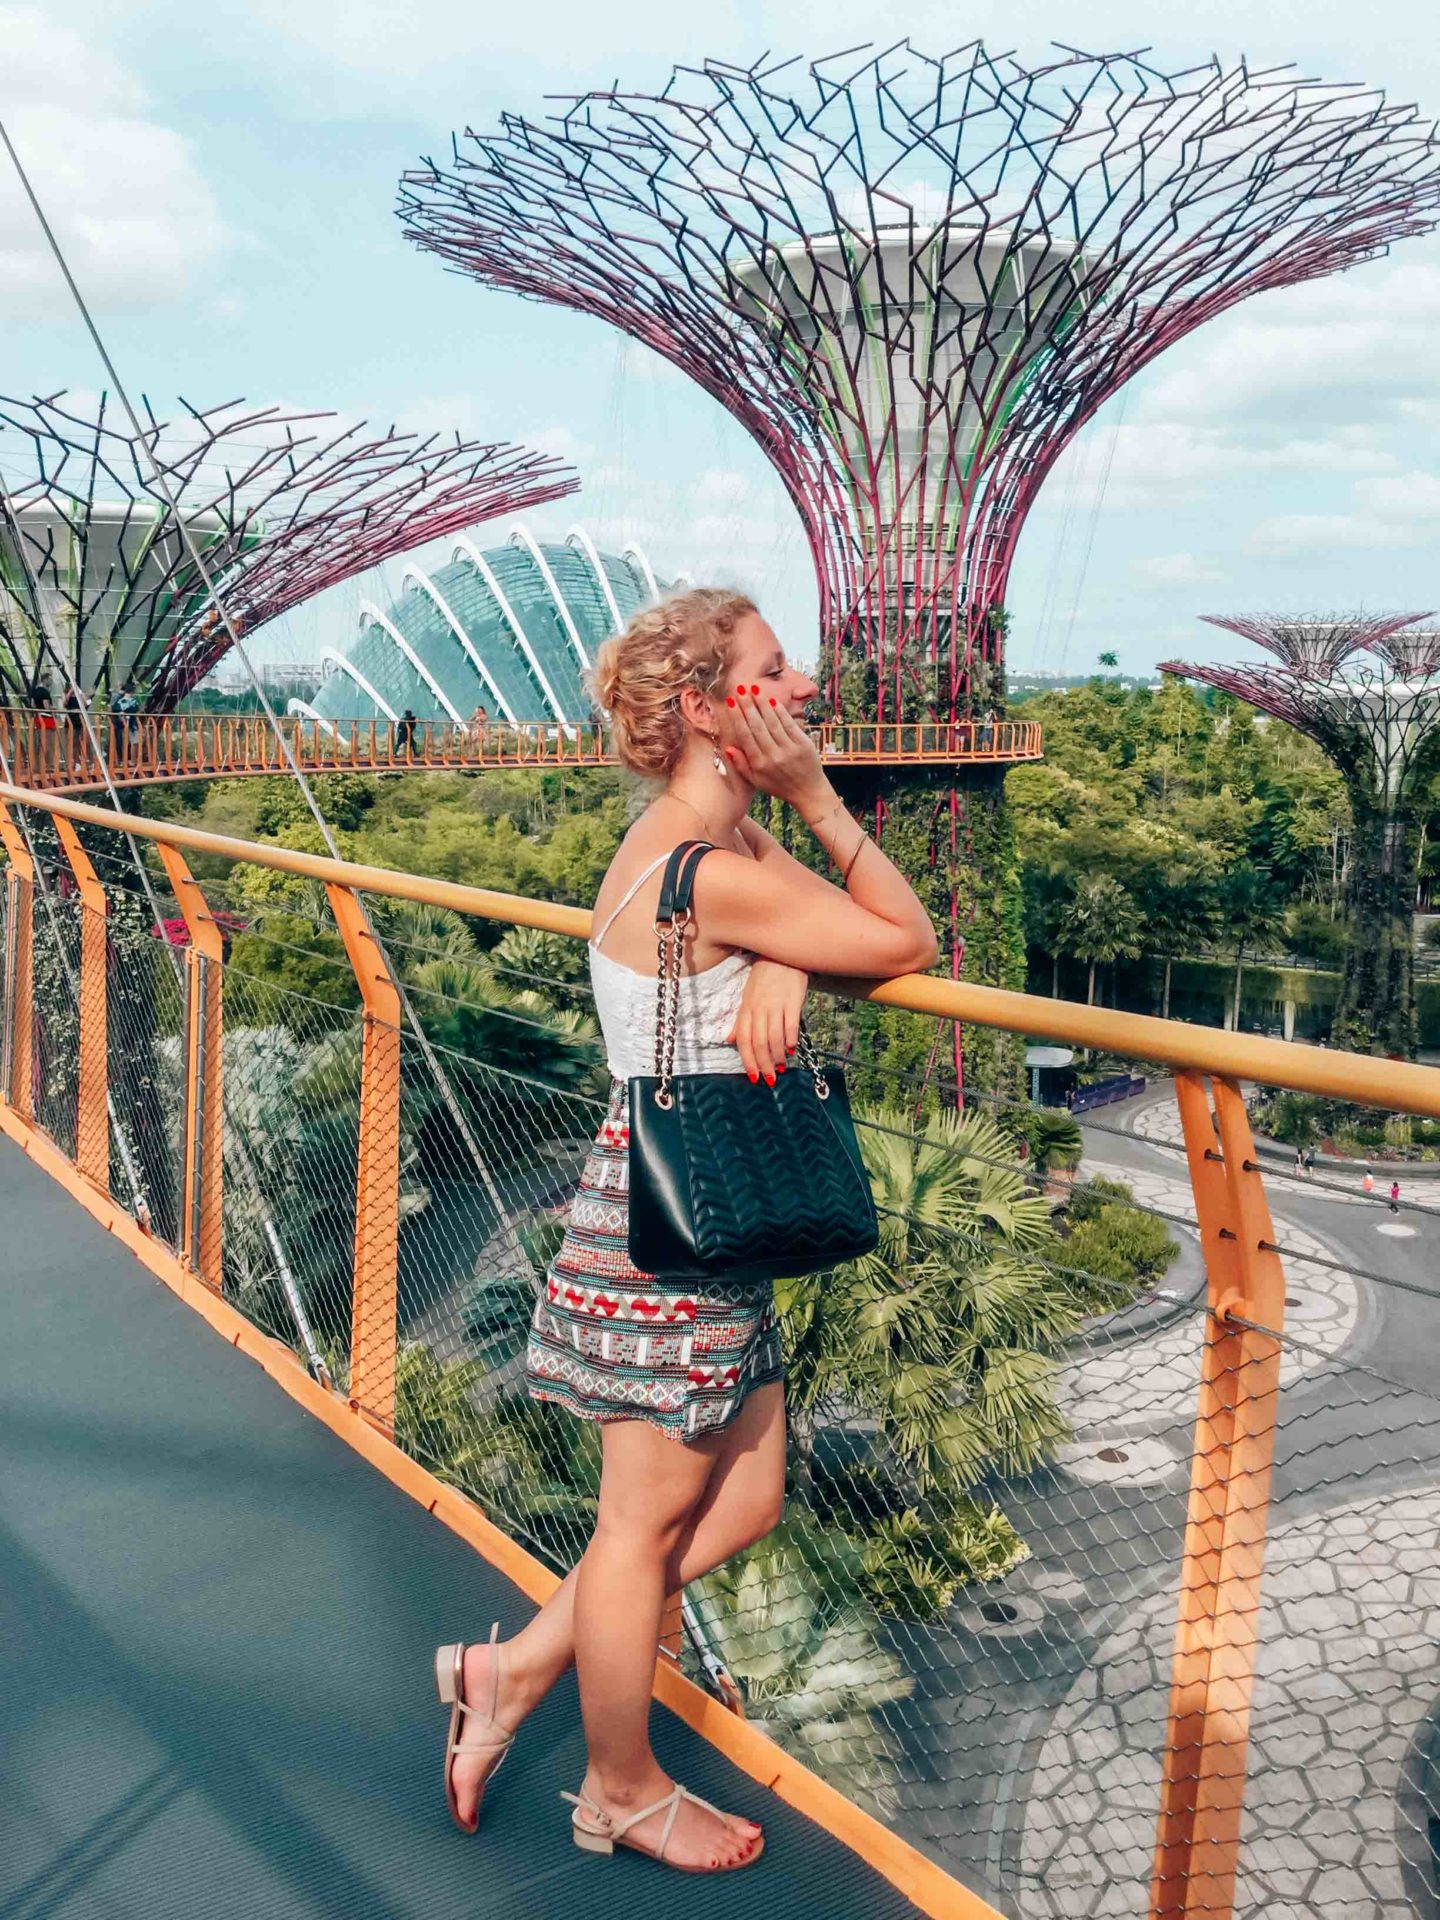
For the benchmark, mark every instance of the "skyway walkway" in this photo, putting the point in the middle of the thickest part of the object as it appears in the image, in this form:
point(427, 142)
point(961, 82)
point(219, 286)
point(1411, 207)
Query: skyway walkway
point(217, 1629)
point(58, 757)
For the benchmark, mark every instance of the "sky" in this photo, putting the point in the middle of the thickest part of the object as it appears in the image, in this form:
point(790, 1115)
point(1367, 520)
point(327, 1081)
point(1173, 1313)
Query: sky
point(223, 179)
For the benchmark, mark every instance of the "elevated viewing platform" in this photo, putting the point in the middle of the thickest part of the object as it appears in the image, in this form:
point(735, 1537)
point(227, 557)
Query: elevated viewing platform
point(196, 746)
point(1097, 1595)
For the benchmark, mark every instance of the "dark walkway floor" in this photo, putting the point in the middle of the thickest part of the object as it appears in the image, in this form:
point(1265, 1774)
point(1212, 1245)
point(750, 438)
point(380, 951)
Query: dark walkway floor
point(216, 1627)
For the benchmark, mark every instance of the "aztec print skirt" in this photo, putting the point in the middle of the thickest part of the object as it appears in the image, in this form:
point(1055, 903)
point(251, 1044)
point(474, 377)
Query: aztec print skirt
point(608, 1342)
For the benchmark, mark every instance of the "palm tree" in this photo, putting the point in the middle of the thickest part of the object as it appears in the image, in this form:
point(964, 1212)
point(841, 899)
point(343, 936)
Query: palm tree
point(1100, 926)
point(943, 1336)
point(1252, 912)
point(1179, 909)
point(1056, 1143)
point(1047, 897)
point(786, 1621)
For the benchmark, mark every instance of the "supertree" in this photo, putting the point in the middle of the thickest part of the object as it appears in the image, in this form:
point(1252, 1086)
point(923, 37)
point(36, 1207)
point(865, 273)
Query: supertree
point(913, 280)
point(281, 505)
point(1378, 720)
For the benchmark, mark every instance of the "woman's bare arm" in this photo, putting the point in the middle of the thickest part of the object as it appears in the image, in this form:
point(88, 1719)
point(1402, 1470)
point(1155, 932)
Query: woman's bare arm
point(775, 906)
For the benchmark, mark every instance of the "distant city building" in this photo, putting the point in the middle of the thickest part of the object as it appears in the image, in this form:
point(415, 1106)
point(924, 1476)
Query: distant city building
point(302, 678)
point(510, 628)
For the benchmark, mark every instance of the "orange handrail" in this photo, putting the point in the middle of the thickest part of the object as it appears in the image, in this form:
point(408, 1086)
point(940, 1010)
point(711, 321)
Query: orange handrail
point(1396, 1084)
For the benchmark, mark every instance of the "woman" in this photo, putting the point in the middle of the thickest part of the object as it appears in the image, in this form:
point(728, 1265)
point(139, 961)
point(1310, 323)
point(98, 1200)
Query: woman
point(703, 702)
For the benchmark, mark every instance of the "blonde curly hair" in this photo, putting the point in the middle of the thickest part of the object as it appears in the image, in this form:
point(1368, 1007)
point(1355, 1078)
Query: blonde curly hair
point(684, 641)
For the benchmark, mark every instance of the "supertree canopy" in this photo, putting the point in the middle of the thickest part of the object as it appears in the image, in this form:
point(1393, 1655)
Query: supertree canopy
point(913, 280)
point(280, 505)
point(1378, 720)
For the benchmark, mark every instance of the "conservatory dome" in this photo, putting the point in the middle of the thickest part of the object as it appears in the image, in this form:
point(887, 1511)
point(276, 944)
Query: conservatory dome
point(510, 628)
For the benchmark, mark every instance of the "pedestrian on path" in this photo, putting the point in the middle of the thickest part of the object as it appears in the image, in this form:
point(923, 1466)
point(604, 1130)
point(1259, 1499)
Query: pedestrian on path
point(1368, 1183)
point(1309, 1163)
point(1299, 1161)
point(1394, 1196)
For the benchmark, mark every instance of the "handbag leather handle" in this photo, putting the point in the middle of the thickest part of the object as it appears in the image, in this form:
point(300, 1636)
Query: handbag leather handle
point(679, 882)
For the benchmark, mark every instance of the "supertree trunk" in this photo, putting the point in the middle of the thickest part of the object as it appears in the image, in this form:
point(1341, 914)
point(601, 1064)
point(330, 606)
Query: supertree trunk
point(1378, 720)
point(1376, 1011)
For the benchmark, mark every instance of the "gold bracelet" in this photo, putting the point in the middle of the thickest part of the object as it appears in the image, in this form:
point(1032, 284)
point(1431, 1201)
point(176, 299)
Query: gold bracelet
point(845, 877)
point(814, 824)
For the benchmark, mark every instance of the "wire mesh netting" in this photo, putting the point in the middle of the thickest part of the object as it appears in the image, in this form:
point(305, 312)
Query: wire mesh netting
point(967, 1618)
point(55, 1043)
point(292, 1126)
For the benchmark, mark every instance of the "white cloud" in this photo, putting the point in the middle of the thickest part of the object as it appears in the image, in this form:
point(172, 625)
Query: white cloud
point(1409, 496)
point(137, 221)
point(1165, 463)
point(1289, 533)
point(1345, 348)
point(1391, 511)
point(1175, 570)
point(721, 487)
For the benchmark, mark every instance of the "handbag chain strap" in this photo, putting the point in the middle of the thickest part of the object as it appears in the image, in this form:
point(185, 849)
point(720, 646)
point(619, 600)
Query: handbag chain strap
point(671, 935)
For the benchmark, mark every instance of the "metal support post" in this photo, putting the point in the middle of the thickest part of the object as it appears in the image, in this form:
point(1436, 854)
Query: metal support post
point(374, 1298)
point(92, 1113)
point(1218, 1630)
point(201, 1228)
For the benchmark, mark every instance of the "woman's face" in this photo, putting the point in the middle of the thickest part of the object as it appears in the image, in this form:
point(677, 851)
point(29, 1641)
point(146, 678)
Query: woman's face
point(757, 659)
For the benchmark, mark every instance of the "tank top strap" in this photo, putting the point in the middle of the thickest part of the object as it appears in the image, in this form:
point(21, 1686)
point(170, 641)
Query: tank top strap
point(629, 895)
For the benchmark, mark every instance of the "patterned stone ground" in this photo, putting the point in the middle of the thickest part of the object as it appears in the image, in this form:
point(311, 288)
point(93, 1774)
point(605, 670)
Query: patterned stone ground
point(1347, 1669)
point(1149, 1384)
point(1160, 1122)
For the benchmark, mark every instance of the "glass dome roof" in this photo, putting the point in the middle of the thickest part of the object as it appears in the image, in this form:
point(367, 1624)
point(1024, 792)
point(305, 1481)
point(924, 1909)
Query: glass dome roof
point(511, 628)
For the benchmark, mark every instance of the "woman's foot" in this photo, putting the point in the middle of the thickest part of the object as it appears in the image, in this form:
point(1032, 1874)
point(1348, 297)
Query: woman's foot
point(479, 1752)
point(700, 1839)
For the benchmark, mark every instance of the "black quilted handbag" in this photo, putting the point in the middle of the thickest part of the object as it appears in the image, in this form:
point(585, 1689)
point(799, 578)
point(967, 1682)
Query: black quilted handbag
point(729, 1181)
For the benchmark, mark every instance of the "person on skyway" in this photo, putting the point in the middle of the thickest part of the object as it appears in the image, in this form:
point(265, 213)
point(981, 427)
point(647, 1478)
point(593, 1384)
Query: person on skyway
point(684, 1382)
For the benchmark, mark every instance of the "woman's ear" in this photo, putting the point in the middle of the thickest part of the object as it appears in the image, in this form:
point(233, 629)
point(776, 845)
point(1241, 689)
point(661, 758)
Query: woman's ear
point(696, 708)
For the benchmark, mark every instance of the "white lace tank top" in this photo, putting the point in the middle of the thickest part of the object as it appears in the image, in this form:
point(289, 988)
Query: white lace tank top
point(625, 1003)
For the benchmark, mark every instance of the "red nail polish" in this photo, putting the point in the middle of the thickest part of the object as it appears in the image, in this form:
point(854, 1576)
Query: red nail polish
point(739, 689)
point(755, 689)
point(781, 1067)
point(753, 1078)
point(730, 700)
point(769, 1079)
point(772, 701)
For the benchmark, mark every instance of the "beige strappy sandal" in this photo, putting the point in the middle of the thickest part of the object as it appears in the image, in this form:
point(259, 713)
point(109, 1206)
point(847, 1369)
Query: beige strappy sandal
point(596, 1831)
point(450, 1685)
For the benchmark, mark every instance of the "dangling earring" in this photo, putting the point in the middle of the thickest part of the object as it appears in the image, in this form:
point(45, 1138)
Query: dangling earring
point(715, 755)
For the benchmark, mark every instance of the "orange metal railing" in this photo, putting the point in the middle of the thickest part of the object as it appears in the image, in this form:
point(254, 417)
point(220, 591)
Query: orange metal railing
point(1215, 1642)
point(54, 754)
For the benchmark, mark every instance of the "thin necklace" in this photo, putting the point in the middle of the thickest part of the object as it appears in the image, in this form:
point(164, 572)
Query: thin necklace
point(696, 811)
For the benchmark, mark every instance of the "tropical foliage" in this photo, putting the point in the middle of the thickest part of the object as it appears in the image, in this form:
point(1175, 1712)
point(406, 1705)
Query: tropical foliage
point(942, 1339)
point(787, 1622)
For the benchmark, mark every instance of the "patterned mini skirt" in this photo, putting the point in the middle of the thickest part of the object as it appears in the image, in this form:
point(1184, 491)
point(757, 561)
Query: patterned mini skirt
point(608, 1342)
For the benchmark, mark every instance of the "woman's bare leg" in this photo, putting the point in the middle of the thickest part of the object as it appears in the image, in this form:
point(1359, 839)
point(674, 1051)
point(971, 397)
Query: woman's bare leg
point(741, 1502)
point(649, 1490)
